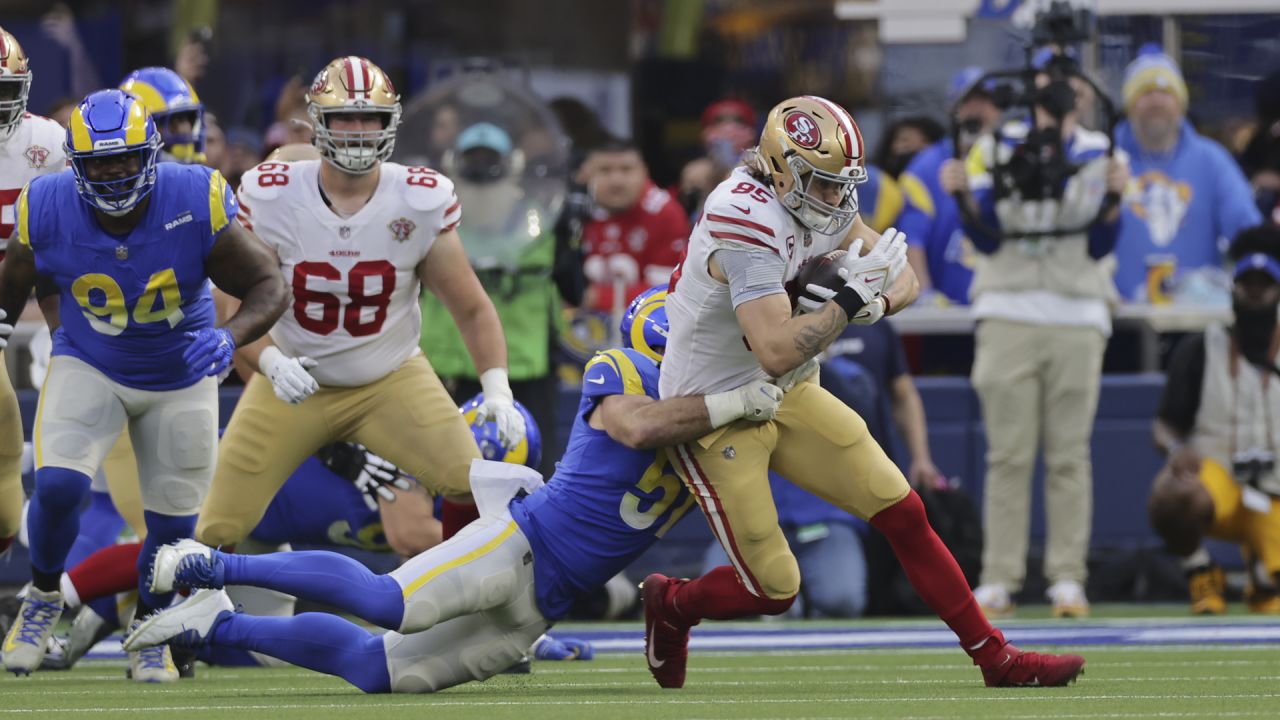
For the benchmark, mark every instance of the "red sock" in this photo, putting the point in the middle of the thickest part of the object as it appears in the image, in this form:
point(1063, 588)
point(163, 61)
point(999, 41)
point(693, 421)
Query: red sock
point(111, 570)
point(720, 595)
point(455, 516)
point(932, 570)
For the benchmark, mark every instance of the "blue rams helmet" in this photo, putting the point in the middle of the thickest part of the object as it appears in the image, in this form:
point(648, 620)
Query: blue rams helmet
point(168, 97)
point(106, 124)
point(526, 452)
point(644, 326)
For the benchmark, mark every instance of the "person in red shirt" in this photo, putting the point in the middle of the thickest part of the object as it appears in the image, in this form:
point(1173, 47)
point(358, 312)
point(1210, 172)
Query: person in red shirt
point(637, 233)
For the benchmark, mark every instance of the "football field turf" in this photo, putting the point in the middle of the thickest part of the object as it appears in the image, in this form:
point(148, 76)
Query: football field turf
point(1173, 667)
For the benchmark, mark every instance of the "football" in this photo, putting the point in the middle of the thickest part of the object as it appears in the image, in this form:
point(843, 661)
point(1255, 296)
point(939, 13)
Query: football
point(821, 271)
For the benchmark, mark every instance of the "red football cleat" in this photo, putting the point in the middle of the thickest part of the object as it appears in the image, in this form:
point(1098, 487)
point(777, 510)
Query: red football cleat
point(666, 639)
point(1004, 665)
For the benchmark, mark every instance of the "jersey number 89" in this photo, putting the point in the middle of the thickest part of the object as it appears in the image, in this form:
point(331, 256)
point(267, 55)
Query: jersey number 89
point(102, 301)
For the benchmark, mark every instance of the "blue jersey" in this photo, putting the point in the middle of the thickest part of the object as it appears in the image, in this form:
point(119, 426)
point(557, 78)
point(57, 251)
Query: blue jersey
point(317, 507)
point(931, 220)
point(127, 300)
point(607, 503)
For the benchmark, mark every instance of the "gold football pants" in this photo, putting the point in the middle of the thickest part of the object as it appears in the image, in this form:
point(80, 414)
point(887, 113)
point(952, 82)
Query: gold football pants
point(816, 442)
point(406, 417)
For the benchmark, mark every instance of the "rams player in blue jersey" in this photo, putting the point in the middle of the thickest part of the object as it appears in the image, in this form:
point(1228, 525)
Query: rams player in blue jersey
point(472, 606)
point(131, 246)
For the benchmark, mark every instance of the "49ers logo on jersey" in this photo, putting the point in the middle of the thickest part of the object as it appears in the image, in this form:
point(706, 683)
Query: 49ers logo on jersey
point(36, 156)
point(402, 228)
point(802, 130)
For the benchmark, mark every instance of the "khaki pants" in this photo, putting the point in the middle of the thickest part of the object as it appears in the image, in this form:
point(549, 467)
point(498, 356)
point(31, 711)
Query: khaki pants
point(816, 442)
point(405, 417)
point(1037, 383)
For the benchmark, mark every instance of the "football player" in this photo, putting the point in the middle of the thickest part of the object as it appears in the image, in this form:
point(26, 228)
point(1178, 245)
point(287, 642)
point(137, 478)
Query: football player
point(30, 146)
point(473, 605)
point(794, 199)
point(358, 238)
point(176, 109)
point(132, 246)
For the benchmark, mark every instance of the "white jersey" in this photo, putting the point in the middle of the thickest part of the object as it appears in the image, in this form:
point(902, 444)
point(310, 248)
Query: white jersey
point(354, 280)
point(706, 350)
point(34, 149)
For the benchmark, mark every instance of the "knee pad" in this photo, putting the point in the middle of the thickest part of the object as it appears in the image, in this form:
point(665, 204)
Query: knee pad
point(220, 532)
point(779, 576)
point(60, 489)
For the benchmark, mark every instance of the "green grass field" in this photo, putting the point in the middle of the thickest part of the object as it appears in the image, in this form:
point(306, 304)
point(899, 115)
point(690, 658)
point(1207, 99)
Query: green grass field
point(1174, 681)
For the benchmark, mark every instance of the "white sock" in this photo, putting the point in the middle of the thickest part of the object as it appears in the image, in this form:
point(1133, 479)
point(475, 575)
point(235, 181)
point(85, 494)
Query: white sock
point(69, 594)
point(1198, 559)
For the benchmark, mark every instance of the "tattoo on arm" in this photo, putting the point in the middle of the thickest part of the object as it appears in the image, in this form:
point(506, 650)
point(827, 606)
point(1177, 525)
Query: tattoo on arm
point(824, 326)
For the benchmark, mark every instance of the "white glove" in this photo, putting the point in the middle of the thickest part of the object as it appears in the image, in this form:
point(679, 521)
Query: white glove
point(377, 477)
point(5, 331)
point(756, 401)
point(879, 268)
point(288, 376)
point(870, 313)
point(807, 369)
point(499, 406)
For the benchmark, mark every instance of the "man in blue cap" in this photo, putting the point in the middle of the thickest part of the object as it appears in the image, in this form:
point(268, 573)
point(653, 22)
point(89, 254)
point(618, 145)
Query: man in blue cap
point(1187, 195)
point(1217, 425)
point(939, 252)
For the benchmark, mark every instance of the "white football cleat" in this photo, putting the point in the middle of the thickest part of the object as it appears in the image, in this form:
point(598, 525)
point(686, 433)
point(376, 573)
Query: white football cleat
point(166, 562)
point(151, 664)
point(190, 622)
point(28, 639)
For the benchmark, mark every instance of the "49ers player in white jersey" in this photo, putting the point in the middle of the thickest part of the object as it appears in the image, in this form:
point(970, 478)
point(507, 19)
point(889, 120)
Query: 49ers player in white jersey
point(30, 146)
point(730, 324)
point(357, 238)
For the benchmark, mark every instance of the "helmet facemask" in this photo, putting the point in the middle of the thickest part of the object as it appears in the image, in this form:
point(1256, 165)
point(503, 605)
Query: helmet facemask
point(186, 147)
point(14, 90)
point(118, 196)
point(806, 200)
point(355, 151)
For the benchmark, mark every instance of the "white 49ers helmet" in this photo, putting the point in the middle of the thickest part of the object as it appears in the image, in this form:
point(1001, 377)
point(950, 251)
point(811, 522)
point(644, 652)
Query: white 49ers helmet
point(347, 86)
point(15, 84)
point(811, 149)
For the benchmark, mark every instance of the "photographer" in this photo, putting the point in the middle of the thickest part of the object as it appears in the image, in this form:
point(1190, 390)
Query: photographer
point(1040, 292)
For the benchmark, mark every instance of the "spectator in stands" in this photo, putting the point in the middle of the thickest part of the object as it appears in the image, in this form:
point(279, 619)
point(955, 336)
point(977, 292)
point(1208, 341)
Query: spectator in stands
point(1216, 427)
point(1042, 306)
point(60, 110)
point(728, 129)
point(1188, 195)
point(905, 138)
point(939, 251)
point(1261, 157)
point(637, 233)
point(215, 146)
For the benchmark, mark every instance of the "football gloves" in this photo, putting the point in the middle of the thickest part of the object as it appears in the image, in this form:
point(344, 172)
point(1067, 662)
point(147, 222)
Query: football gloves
point(867, 275)
point(377, 478)
point(756, 401)
point(210, 350)
point(499, 406)
point(6, 330)
point(289, 377)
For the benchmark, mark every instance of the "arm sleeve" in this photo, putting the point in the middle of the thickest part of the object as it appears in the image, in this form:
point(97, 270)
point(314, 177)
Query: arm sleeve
point(1102, 238)
point(984, 243)
point(751, 273)
point(1183, 383)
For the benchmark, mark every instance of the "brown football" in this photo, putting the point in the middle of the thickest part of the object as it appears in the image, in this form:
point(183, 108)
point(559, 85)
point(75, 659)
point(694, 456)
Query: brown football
point(821, 271)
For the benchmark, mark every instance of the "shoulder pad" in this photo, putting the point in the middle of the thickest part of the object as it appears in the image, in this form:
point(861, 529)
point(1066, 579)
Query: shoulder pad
point(269, 179)
point(423, 188)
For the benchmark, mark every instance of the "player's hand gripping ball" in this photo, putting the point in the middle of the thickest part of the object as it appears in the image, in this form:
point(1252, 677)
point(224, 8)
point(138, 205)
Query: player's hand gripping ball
point(819, 274)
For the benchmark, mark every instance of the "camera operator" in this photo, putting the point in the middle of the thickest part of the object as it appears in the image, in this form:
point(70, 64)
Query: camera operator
point(1041, 293)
